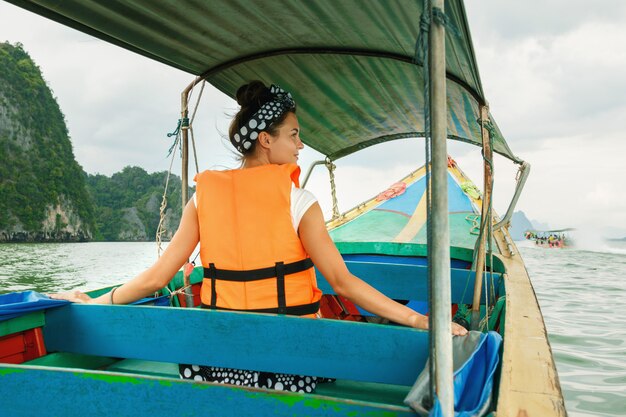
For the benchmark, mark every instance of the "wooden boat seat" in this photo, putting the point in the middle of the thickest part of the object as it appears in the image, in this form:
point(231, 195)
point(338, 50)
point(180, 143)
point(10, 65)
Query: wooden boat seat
point(410, 282)
point(329, 348)
point(395, 280)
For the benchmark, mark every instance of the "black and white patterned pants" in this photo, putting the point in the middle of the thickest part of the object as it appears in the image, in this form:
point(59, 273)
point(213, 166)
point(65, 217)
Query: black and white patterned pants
point(256, 379)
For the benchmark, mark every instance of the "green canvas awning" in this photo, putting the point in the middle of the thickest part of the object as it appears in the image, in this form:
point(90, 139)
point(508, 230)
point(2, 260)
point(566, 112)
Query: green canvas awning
point(350, 64)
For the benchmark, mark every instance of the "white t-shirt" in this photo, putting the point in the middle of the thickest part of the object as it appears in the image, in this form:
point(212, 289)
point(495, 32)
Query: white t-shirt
point(301, 201)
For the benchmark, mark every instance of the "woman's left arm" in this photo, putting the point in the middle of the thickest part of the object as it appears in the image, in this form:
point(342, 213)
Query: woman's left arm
point(322, 250)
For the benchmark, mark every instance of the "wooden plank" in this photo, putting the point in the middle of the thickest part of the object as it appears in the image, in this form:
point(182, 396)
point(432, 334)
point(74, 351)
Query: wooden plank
point(410, 282)
point(141, 367)
point(72, 360)
point(529, 384)
point(18, 324)
point(329, 348)
point(11, 345)
point(36, 391)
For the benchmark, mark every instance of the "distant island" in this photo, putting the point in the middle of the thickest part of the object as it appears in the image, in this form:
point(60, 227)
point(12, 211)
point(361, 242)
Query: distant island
point(520, 224)
point(127, 204)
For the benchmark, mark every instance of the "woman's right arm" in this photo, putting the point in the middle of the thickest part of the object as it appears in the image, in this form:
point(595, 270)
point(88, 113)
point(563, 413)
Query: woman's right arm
point(159, 274)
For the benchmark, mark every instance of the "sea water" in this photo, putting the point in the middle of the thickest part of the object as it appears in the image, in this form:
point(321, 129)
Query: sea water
point(582, 294)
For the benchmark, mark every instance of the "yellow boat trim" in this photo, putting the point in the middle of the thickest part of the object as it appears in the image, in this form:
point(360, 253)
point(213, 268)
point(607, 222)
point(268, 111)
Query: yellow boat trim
point(415, 223)
point(371, 203)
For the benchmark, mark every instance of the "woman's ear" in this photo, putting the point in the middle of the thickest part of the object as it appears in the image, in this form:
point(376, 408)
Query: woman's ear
point(264, 140)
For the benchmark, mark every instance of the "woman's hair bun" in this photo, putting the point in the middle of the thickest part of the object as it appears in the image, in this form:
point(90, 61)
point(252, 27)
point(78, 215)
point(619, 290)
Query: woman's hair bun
point(254, 94)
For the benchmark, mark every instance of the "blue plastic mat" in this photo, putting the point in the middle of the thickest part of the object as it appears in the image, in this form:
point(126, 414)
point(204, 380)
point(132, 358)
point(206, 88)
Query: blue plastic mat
point(476, 358)
point(162, 301)
point(19, 303)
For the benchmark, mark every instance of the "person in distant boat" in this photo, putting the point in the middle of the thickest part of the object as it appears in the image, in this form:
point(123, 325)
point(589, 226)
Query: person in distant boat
point(260, 235)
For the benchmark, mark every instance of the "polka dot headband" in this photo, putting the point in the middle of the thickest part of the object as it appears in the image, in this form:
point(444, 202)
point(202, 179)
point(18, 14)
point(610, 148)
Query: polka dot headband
point(269, 112)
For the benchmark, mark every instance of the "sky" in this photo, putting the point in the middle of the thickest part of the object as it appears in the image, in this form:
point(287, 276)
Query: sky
point(554, 74)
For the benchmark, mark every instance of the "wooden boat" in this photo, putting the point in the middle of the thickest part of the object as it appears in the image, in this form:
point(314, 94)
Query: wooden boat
point(354, 68)
point(553, 239)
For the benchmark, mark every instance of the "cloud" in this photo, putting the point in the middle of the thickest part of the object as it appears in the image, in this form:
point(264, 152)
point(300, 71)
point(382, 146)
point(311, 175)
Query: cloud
point(552, 80)
point(553, 75)
point(119, 106)
point(511, 20)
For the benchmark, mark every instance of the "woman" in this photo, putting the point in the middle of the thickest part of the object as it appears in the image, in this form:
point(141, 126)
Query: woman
point(258, 234)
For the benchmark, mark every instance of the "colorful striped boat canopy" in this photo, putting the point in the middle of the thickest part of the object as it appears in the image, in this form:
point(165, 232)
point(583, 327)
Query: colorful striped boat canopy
point(395, 222)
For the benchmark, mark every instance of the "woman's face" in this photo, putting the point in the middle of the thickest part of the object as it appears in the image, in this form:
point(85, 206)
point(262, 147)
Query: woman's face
point(285, 146)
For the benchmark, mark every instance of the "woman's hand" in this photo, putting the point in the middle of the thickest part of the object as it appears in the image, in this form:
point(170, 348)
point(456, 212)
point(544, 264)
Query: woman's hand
point(420, 321)
point(73, 296)
point(458, 330)
point(158, 275)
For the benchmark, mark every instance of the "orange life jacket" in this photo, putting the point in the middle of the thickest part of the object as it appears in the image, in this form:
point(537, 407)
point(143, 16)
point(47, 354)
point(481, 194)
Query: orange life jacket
point(253, 258)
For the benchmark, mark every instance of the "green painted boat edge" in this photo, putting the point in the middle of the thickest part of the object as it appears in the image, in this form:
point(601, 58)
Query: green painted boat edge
point(19, 324)
point(126, 383)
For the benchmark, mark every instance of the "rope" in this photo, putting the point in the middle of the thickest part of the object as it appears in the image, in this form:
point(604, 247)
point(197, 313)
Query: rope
point(183, 123)
point(473, 218)
point(172, 294)
point(333, 190)
point(420, 55)
point(161, 228)
point(421, 44)
point(177, 130)
point(441, 18)
point(490, 247)
point(492, 132)
point(193, 145)
point(487, 224)
point(193, 116)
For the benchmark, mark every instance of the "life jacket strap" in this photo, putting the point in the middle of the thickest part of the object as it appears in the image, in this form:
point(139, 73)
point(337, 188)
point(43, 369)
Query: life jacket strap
point(301, 310)
point(258, 274)
point(280, 287)
point(213, 285)
point(278, 271)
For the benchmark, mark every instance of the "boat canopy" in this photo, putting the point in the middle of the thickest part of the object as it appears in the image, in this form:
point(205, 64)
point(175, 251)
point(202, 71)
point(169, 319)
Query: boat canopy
point(395, 221)
point(352, 65)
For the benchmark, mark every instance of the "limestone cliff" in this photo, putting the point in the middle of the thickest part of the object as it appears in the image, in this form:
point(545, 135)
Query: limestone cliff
point(42, 188)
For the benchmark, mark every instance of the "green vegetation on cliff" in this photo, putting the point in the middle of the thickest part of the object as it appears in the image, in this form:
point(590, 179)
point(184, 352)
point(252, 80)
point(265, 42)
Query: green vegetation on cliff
point(42, 187)
point(44, 193)
point(133, 194)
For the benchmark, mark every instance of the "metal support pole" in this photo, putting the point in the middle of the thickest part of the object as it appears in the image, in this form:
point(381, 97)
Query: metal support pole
point(485, 218)
point(440, 240)
point(184, 128)
point(310, 170)
point(184, 176)
point(524, 171)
